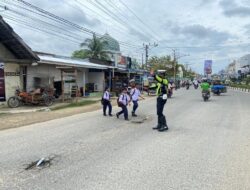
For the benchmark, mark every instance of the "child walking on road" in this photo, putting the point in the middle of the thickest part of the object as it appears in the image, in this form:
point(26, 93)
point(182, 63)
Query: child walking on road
point(135, 95)
point(123, 102)
point(106, 102)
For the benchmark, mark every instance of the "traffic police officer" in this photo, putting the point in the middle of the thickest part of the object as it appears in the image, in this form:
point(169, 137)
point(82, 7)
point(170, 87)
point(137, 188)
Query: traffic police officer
point(161, 92)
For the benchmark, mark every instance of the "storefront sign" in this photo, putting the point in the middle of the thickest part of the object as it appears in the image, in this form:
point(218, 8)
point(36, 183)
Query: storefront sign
point(2, 83)
point(12, 74)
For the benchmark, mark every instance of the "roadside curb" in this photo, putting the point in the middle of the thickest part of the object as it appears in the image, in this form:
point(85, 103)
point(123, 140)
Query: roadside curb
point(45, 109)
point(240, 89)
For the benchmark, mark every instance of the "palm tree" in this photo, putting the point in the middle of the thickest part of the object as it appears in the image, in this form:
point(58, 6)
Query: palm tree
point(94, 48)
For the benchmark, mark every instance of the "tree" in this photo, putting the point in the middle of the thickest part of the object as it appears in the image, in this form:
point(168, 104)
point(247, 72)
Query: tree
point(163, 63)
point(94, 48)
point(82, 54)
point(166, 63)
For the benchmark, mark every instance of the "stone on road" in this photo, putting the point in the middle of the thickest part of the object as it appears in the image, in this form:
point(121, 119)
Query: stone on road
point(206, 147)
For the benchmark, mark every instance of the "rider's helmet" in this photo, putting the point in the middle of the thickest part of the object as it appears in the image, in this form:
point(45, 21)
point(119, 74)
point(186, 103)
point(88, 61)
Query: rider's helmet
point(204, 79)
point(161, 73)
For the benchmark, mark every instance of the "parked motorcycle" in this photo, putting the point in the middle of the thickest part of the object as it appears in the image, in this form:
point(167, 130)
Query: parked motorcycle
point(205, 95)
point(39, 97)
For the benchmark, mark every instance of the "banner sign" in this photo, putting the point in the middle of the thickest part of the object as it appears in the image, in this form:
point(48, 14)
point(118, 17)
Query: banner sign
point(122, 63)
point(208, 66)
point(2, 83)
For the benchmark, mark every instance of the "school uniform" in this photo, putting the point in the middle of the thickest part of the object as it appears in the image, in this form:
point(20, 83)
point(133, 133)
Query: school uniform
point(135, 94)
point(106, 103)
point(123, 100)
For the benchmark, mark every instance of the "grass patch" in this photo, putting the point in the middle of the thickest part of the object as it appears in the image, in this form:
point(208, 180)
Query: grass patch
point(75, 104)
point(240, 86)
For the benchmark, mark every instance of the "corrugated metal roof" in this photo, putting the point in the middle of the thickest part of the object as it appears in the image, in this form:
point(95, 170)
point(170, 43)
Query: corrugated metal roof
point(70, 62)
point(14, 43)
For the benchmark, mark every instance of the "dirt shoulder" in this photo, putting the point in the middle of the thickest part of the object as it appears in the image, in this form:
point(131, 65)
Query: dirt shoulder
point(8, 121)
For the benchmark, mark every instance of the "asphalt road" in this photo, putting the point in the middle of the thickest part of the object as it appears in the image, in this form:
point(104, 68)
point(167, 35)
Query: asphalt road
point(207, 147)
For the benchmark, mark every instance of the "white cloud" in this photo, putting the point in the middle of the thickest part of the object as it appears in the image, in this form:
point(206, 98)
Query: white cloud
point(178, 23)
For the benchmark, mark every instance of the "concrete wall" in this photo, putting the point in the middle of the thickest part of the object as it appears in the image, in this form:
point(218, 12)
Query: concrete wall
point(47, 73)
point(97, 78)
point(11, 82)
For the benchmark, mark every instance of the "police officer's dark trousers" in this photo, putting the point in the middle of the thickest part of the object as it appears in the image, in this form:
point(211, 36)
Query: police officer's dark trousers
point(161, 117)
point(106, 104)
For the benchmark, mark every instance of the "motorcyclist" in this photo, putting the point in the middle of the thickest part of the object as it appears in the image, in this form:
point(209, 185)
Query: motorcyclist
point(187, 84)
point(170, 88)
point(161, 92)
point(195, 82)
point(205, 86)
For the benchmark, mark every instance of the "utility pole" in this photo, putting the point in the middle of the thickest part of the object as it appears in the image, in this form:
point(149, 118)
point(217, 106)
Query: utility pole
point(146, 47)
point(142, 60)
point(146, 50)
point(175, 60)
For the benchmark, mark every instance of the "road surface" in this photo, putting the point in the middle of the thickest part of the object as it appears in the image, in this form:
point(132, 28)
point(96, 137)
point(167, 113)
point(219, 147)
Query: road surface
point(207, 147)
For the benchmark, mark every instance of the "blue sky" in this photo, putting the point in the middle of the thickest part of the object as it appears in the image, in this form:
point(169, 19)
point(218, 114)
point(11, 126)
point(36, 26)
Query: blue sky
point(203, 29)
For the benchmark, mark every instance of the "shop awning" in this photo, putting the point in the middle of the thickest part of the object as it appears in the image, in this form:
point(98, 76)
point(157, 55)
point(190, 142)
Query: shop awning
point(70, 62)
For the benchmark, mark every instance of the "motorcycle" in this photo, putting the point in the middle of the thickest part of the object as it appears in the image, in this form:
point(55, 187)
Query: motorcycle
point(205, 95)
point(170, 92)
point(196, 86)
point(187, 86)
point(40, 96)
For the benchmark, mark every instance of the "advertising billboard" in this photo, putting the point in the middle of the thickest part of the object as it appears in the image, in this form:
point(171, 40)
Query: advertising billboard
point(208, 67)
point(122, 62)
point(2, 83)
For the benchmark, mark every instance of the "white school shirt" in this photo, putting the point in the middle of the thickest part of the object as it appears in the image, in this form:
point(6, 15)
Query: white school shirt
point(135, 93)
point(106, 95)
point(124, 98)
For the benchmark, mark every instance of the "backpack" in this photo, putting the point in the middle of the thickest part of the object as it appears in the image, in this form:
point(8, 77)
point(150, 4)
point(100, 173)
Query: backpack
point(102, 100)
point(119, 103)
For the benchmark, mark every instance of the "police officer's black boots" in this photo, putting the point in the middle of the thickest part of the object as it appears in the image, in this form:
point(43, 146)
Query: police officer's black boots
point(158, 125)
point(164, 125)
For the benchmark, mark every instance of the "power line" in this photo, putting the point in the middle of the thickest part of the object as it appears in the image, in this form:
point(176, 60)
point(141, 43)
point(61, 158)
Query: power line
point(109, 13)
point(62, 20)
point(140, 20)
point(36, 21)
point(32, 27)
point(79, 4)
point(133, 27)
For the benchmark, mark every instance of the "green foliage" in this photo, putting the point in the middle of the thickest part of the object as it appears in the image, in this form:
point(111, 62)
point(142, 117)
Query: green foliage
point(94, 48)
point(136, 64)
point(240, 86)
point(75, 104)
point(165, 63)
point(162, 63)
point(82, 54)
point(247, 80)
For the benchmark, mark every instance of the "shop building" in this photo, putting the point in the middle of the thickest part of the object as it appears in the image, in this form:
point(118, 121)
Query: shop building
point(15, 56)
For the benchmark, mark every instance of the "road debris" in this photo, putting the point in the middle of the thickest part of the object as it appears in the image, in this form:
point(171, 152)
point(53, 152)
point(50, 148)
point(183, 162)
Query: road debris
point(41, 163)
